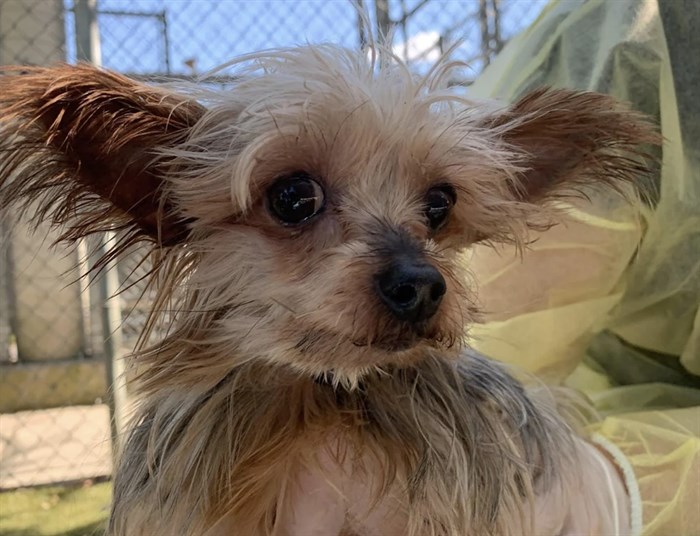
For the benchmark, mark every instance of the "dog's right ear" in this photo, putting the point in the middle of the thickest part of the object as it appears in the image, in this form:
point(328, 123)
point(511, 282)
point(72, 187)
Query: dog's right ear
point(80, 145)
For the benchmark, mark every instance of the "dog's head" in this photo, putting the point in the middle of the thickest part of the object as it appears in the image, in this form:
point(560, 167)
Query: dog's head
point(312, 213)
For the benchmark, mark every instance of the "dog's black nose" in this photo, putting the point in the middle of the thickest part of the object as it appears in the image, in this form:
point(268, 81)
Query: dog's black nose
point(411, 289)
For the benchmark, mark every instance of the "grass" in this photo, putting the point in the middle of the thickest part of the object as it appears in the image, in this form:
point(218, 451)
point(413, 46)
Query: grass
point(78, 510)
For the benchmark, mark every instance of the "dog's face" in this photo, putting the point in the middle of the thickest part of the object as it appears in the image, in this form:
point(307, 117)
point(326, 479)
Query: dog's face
point(318, 207)
point(346, 203)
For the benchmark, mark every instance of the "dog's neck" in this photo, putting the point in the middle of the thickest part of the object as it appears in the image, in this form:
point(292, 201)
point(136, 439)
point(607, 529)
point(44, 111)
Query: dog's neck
point(419, 424)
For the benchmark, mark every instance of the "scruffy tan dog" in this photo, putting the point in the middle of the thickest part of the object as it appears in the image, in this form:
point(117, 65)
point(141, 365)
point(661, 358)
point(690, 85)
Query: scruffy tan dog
point(305, 224)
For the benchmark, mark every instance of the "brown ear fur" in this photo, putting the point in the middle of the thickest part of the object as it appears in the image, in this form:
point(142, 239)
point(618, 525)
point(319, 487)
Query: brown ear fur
point(565, 139)
point(81, 141)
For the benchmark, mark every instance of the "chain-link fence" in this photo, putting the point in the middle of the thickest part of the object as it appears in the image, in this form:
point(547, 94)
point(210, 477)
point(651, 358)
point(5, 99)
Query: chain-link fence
point(56, 338)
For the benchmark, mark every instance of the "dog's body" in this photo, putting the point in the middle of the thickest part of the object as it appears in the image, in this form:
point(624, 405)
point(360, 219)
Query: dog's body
point(308, 457)
point(306, 228)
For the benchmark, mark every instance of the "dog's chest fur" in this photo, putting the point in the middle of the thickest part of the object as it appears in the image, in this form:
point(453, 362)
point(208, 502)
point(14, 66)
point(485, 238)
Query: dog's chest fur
point(434, 449)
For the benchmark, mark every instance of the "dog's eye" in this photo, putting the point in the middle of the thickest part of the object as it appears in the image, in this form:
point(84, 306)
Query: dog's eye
point(295, 198)
point(438, 203)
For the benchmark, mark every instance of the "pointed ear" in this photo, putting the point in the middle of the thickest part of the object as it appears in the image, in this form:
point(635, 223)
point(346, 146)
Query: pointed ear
point(83, 143)
point(563, 140)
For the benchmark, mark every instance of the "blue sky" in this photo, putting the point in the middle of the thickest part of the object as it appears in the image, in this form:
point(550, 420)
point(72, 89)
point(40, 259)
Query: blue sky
point(212, 32)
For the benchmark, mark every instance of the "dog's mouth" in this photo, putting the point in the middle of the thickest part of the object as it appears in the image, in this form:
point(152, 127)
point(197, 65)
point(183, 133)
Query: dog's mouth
point(393, 345)
point(401, 342)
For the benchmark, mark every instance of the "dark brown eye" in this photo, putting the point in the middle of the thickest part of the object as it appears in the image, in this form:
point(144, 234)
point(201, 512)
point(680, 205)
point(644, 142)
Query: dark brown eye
point(438, 204)
point(295, 198)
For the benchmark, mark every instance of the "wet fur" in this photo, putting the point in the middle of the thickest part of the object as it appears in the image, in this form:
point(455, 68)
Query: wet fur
point(272, 356)
point(461, 440)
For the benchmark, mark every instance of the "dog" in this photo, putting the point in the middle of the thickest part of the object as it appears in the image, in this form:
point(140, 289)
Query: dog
point(313, 375)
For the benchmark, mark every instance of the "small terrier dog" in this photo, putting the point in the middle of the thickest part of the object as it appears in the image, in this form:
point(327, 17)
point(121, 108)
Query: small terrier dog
point(306, 225)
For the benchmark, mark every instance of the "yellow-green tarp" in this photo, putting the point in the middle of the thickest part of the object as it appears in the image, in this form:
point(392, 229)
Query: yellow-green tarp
point(608, 302)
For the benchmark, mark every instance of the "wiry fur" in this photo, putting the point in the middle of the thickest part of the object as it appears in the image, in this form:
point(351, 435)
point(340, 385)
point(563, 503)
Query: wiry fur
point(87, 178)
point(279, 366)
point(477, 430)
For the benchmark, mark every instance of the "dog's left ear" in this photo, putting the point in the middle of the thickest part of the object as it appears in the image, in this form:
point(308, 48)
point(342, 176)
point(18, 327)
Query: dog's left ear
point(563, 140)
point(83, 148)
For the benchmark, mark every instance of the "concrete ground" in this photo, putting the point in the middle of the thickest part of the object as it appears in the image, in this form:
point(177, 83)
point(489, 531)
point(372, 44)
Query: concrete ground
point(54, 445)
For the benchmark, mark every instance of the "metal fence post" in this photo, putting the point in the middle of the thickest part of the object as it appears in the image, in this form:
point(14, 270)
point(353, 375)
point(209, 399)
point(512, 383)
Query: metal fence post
point(87, 37)
point(87, 32)
point(113, 346)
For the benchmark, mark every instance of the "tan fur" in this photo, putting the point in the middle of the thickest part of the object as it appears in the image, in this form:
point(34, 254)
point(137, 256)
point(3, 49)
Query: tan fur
point(278, 363)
